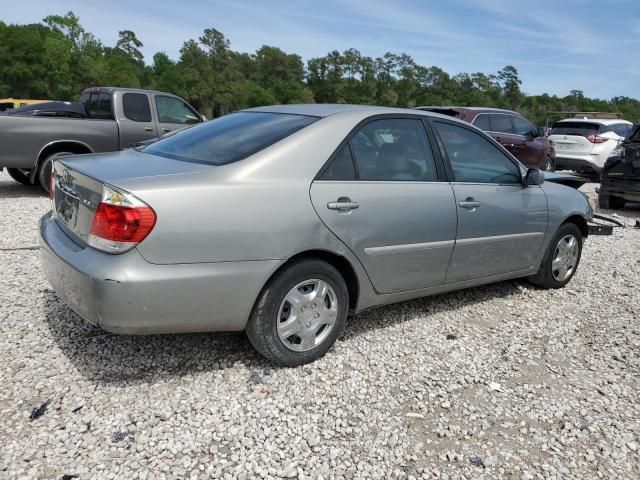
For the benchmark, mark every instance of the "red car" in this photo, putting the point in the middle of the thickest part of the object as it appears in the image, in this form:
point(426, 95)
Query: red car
point(511, 130)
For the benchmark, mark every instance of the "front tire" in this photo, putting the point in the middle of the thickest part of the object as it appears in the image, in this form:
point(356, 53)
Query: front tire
point(19, 176)
point(561, 259)
point(299, 314)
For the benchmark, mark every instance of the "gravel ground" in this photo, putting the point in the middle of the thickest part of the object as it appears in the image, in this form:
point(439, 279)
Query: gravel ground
point(503, 381)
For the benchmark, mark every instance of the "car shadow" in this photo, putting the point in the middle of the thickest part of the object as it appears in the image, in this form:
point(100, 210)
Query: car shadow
point(104, 357)
point(12, 189)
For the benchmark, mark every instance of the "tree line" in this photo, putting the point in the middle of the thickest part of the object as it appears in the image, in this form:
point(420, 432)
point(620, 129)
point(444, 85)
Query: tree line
point(58, 58)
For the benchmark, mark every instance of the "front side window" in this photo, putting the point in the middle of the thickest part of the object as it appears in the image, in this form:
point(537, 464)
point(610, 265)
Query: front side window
point(136, 107)
point(522, 127)
point(474, 159)
point(174, 110)
point(230, 138)
point(394, 150)
point(501, 123)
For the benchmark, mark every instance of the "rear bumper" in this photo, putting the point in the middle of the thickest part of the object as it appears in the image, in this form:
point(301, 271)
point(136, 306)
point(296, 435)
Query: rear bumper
point(125, 294)
point(579, 162)
point(621, 187)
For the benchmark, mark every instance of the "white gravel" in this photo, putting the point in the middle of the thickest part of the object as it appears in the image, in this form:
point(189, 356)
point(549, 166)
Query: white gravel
point(503, 381)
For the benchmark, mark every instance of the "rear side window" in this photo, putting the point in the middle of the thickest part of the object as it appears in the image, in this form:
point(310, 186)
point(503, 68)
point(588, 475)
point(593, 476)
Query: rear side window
point(394, 150)
point(482, 122)
point(341, 168)
point(501, 123)
point(229, 138)
point(136, 107)
point(621, 129)
point(581, 129)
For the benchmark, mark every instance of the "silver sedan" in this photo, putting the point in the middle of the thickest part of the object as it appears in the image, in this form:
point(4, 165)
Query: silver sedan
point(282, 221)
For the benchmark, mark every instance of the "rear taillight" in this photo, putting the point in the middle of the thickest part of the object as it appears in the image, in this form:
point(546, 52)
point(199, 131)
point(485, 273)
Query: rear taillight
point(595, 138)
point(120, 222)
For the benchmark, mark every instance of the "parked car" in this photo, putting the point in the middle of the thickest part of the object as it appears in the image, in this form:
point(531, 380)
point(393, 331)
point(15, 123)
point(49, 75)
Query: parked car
point(105, 119)
point(282, 220)
point(583, 145)
point(514, 132)
point(620, 180)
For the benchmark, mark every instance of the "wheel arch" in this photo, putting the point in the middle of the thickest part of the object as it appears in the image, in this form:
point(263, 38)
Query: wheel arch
point(74, 146)
point(339, 262)
point(580, 222)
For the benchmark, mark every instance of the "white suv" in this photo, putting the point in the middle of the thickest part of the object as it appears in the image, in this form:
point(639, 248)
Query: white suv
point(583, 145)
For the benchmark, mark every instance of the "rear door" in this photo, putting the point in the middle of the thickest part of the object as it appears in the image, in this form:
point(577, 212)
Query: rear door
point(384, 196)
point(173, 114)
point(503, 131)
point(135, 120)
point(501, 222)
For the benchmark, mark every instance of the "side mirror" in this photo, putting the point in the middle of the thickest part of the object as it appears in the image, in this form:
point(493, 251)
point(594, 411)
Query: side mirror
point(203, 118)
point(534, 177)
point(541, 132)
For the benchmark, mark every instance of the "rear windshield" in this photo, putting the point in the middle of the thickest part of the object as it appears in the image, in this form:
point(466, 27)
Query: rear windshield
point(230, 138)
point(582, 129)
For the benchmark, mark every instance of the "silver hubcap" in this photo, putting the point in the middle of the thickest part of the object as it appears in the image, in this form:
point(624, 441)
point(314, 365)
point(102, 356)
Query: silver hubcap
point(565, 258)
point(307, 315)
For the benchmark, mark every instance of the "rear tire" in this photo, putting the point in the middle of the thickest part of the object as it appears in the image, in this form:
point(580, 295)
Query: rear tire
point(44, 169)
point(19, 176)
point(293, 322)
point(549, 165)
point(609, 202)
point(555, 262)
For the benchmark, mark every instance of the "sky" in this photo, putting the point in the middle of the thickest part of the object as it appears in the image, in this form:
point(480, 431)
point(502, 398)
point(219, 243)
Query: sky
point(556, 45)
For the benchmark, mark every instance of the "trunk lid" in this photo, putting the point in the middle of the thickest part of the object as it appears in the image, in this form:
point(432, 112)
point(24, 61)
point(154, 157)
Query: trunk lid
point(78, 182)
point(571, 137)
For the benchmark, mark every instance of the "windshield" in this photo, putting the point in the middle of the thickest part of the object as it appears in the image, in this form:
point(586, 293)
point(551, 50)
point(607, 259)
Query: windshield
point(229, 138)
point(581, 129)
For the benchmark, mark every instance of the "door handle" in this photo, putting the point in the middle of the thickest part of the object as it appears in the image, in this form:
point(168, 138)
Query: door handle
point(343, 204)
point(148, 129)
point(166, 129)
point(469, 203)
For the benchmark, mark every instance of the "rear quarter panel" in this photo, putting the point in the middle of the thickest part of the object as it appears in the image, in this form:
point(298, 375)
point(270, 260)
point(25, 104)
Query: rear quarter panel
point(23, 138)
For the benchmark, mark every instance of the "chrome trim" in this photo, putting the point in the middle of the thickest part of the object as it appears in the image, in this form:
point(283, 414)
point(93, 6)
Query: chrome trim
point(480, 240)
point(411, 247)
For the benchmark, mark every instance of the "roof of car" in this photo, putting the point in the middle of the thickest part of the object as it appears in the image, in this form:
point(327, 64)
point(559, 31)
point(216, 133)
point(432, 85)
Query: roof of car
point(326, 109)
point(475, 109)
point(600, 121)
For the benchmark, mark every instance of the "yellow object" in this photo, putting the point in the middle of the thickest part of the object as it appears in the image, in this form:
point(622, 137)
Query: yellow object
point(7, 103)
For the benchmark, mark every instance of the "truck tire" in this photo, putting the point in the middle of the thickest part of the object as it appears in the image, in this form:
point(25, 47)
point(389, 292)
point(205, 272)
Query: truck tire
point(19, 176)
point(44, 169)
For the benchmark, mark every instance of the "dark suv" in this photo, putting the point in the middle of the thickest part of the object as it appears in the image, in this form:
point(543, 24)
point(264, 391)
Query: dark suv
point(511, 130)
point(620, 182)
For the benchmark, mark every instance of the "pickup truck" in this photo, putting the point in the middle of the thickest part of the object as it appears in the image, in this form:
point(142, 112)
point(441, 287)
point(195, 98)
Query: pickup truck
point(104, 119)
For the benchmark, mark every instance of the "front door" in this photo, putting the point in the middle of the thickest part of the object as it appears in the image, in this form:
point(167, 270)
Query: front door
point(381, 194)
point(501, 221)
